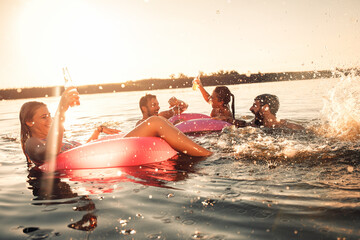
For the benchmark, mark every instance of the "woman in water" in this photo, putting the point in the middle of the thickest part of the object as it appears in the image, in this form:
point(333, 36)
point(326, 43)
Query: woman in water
point(219, 100)
point(42, 136)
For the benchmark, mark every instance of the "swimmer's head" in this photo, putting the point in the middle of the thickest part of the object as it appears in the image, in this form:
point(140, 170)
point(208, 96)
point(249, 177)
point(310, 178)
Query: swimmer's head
point(149, 105)
point(271, 100)
point(145, 99)
point(223, 93)
point(26, 115)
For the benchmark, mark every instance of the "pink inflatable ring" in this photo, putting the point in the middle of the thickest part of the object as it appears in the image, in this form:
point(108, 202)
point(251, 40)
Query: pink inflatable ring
point(114, 151)
point(197, 123)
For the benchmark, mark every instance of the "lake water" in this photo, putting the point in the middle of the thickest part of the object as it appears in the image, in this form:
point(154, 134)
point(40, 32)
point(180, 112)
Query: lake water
point(258, 184)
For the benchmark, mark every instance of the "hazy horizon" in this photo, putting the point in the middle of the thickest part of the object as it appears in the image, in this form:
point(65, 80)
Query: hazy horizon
point(114, 41)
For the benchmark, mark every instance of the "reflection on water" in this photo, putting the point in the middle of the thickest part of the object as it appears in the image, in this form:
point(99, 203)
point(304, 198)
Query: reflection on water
point(75, 187)
point(61, 193)
point(108, 180)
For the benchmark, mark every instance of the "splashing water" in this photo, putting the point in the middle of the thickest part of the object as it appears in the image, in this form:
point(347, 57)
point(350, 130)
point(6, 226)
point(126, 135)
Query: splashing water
point(336, 137)
point(340, 115)
point(279, 145)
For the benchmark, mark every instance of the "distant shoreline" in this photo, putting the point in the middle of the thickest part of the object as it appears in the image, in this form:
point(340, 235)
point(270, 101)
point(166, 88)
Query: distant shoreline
point(218, 78)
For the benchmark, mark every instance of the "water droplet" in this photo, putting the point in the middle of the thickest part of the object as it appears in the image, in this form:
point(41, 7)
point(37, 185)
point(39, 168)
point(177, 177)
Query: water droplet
point(123, 222)
point(208, 202)
point(198, 235)
point(128, 231)
point(154, 236)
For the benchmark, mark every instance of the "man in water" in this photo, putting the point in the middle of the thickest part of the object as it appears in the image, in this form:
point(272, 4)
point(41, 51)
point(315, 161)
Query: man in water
point(149, 106)
point(265, 108)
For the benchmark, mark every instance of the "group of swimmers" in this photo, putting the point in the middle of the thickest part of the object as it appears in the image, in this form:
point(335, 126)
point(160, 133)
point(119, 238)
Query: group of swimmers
point(264, 108)
point(42, 135)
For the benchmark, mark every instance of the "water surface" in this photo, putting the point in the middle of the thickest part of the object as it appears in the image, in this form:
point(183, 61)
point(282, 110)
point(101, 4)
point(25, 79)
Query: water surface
point(259, 184)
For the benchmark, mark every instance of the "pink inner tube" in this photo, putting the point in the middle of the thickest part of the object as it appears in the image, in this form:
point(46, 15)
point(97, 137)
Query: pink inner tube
point(114, 151)
point(187, 116)
point(202, 125)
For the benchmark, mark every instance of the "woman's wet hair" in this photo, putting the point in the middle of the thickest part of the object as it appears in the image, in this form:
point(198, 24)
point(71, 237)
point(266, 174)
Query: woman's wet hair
point(271, 100)
point(224, 95)
point(26, 114)
point(145, 99)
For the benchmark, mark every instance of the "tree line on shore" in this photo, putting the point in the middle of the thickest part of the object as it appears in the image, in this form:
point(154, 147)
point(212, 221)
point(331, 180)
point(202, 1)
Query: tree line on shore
point(182, 81)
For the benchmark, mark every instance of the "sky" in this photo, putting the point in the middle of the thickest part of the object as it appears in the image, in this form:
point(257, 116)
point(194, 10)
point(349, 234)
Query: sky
point(114, 41)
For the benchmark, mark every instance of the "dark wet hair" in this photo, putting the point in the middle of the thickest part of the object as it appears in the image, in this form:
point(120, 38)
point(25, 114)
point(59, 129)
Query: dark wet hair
point(271, 100)
point(145, 99)
point(224, 95)
point(26, 114)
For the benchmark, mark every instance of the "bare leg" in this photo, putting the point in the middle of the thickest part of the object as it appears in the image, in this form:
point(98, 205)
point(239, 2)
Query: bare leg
point(159, 127)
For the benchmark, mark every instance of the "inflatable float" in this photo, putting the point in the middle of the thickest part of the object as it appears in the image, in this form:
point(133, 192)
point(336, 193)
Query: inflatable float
point(114, 151)
point(197, 123)
point(186, 117)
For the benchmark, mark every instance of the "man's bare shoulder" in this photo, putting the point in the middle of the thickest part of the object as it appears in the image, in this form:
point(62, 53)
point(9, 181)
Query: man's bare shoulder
point(140, 121)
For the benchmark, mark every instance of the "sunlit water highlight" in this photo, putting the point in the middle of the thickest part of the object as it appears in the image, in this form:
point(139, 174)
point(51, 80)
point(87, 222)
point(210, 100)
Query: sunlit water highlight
point(259, 184)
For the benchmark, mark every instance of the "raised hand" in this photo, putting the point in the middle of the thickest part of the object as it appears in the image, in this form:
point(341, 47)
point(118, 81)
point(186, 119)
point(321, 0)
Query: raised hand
point(69, 98)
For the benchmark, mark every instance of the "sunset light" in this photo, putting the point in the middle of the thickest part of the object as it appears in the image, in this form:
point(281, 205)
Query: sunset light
point(180, 119)
point(117, 41)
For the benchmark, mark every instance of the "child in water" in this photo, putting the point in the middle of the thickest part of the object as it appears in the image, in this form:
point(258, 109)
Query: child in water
point(219, 100)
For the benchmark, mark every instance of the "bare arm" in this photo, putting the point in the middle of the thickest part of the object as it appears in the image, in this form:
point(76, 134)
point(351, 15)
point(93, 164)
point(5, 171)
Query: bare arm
point(177, 107)
point(204, 93)
point(167, 114)
point(56, 132)
point(101, 129)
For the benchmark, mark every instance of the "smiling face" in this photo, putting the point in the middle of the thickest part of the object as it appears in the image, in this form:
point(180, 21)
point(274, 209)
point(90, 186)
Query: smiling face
point(152, 107)
point(41, 122)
